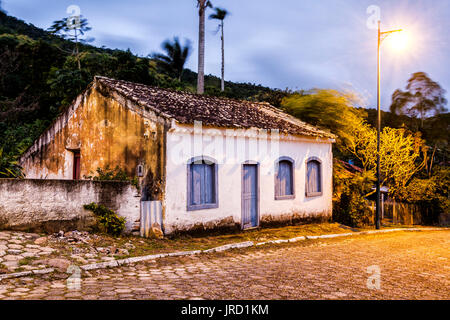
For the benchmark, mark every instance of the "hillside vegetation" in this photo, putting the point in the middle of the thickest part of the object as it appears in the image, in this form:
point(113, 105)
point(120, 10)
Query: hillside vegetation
point(38, 78)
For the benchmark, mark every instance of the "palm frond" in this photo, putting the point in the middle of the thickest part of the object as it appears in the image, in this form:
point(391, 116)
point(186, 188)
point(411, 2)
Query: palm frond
point(219, 14)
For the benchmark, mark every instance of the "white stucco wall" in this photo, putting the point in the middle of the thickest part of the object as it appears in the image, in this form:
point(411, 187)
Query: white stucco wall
point(231, 148)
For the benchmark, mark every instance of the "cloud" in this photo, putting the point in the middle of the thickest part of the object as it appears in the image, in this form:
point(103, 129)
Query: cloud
point(289, 43)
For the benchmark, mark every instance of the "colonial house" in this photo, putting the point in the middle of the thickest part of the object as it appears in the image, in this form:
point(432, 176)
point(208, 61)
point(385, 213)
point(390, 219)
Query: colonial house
point(207, 162)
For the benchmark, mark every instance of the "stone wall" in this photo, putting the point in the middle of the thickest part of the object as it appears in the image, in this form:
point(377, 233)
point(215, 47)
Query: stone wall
point(53, 205)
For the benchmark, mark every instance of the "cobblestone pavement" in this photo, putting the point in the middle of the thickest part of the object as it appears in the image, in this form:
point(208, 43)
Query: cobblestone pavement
point(16, 247)
point(20, 251)
point(413, 265)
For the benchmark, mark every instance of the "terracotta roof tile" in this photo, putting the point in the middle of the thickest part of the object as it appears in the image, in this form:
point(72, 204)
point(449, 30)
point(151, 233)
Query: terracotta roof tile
point(187, 107)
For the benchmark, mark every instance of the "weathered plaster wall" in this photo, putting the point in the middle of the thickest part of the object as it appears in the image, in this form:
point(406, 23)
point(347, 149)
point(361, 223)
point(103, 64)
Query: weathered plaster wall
point(54, 205)
point(231, 151)
point(107, 129)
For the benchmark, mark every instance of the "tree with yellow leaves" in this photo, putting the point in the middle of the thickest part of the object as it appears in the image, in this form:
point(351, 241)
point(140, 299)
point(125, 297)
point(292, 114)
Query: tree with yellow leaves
point(402, 154)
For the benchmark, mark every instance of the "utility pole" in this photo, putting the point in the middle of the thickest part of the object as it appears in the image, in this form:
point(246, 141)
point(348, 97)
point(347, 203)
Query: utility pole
point(381, 37)
point(377, 210)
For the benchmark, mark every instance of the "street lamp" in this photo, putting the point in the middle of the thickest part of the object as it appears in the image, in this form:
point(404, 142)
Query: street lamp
point(381, 37)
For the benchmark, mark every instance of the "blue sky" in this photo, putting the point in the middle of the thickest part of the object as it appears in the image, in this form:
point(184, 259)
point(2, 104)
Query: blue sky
point(282, 44)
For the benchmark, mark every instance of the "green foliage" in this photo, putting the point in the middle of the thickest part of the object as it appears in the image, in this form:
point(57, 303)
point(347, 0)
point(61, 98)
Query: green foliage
point(12, 25)
point(402, 154)
point(116, 174)
point(219, 14)
point(330, 110)
point(108, 174)
point(39, 77)
point(9, 166)
point(107, 219)
point(273, 97)
point(244, 91)
point(175, 57)
point(66, 84)
point(422, 97)
point(431, 194)
point(349, 206)
point(70, 29)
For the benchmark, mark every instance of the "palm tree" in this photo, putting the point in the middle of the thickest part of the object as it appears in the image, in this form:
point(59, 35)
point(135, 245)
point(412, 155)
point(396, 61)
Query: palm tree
point(78, 25)
point(202, 5)
point(175, 58)
point(220, 15)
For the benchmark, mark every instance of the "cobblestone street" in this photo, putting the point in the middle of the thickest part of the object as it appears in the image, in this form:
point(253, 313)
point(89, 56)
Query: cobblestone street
point(413, 265)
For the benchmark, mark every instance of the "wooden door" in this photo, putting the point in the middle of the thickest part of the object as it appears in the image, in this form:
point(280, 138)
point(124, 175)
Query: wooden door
point(76, 165)
point(250, 201)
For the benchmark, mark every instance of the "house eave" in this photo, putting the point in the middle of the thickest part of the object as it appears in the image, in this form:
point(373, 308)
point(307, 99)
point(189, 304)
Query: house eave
point(255, 133)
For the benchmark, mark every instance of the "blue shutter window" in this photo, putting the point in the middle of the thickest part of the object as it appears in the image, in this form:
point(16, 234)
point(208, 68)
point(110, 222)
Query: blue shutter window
point(313, 178)
point(284, 179)
point(202, 185)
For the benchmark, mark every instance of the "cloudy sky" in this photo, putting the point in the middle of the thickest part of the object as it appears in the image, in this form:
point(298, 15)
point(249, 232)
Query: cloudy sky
point(296, 44)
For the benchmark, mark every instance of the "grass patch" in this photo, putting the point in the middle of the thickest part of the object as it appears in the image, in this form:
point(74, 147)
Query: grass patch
point(137, 246)
point(3, 268)
point(186, 242)
point(26, 261)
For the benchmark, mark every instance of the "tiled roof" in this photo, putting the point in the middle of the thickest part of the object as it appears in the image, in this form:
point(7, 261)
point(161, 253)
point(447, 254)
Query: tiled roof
point(187, 107)
point(351, 167)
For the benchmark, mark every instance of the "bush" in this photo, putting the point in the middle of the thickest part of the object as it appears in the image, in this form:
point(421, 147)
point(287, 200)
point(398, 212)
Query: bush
point(430, 194)
point(116, 174)
point(108, 221)
point(349, 206)
point(9, 166)
point(352, 209)
point(108, 174)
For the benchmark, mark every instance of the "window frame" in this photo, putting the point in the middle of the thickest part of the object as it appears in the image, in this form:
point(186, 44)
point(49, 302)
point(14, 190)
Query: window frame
point(208, 161)
point(308, 193)
point(277, 166)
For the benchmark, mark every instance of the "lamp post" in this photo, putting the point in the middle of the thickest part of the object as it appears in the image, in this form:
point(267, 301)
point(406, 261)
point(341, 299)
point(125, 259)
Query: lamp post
point(381, 37)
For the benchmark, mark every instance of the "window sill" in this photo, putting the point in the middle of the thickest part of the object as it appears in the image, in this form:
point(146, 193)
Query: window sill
point(313, 194)
point(202, 206)
point(288, 197)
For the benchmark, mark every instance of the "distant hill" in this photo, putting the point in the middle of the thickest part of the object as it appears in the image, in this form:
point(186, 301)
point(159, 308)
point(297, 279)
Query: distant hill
point(39, 76)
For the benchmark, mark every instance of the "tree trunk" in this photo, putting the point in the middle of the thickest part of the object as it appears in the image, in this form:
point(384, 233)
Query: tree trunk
point(432, 160)
point(201, 49)
point(421, 119)
point(77, 52)
point(223, 60)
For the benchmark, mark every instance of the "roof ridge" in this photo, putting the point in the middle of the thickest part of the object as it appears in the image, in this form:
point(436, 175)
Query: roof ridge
point(194, 94)
point(187, 107)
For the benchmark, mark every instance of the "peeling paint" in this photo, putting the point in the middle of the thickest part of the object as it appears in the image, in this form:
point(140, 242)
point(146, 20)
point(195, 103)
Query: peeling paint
point(116, 123)
point(51, 205)
point(295, 218)
point(106, 131)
